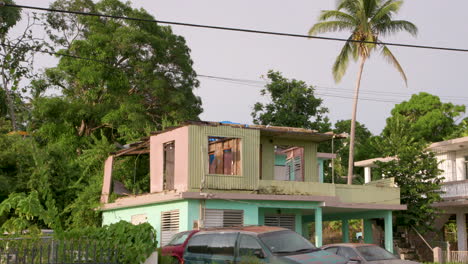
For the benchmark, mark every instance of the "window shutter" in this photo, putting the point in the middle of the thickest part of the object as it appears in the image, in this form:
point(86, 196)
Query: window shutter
point(223, 218)
point(169, 225)
point(297, 169)
point(285, 221)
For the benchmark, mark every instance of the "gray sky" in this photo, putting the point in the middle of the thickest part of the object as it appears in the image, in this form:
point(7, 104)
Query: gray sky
point(248, 56)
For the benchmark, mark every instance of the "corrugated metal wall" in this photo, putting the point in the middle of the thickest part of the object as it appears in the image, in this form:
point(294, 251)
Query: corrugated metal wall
point(198, 161)
point(310, 157)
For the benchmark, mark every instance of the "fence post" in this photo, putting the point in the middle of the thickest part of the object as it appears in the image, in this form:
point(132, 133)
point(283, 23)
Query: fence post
point(449, 253)
point(438, 258)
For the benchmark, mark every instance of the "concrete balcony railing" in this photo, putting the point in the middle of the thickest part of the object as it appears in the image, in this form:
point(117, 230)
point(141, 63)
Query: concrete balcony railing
point(454, 189)
point(378, 193)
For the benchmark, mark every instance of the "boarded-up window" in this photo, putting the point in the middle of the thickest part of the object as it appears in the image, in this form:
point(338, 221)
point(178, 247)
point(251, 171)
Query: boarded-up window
point(169, 225)
point(285, 221)
point(289, 163)
point(139, 219)
point(224, 155)
point(169, 165)
point(223, 218)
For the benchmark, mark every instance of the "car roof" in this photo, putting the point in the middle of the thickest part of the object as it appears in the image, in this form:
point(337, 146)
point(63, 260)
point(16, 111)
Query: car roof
point(353, 245)
point(250, 229)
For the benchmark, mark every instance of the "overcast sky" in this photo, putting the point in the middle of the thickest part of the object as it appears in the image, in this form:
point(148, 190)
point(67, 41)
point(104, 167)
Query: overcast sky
point(248, 56)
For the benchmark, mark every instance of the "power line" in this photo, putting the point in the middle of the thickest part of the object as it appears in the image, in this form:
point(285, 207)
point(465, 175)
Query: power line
point(256, 83)
point(230, 28)
point(246, 82)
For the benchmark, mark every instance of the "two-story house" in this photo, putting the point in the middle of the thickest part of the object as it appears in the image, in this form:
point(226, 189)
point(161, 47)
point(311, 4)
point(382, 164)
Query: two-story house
point(453, 161)
point(207, 174)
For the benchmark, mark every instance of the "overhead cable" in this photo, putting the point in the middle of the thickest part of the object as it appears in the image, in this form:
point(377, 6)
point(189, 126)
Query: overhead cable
point(3, 4)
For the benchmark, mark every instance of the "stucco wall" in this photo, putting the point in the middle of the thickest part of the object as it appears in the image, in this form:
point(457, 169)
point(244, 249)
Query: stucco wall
point(181, 157)
point(187, 212)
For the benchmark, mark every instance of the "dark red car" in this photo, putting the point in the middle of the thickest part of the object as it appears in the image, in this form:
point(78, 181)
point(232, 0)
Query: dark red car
point(176, 246)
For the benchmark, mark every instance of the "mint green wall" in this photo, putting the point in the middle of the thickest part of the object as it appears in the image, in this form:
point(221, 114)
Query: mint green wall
point(250, 210)
point(280, 160)
point(186, 209)
point(268, 157)
point(320, 169)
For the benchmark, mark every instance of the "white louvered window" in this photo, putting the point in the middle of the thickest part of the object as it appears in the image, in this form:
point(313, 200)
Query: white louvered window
point(285, 221)
point(169, 225)
point(223, 218)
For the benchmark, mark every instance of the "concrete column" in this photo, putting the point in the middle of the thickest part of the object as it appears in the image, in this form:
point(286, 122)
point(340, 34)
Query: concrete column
point(345, 230)
point(368, 236)
point(318, 227)
point(388, 231)
point(461, 231)
point(367, 174)
point(106, 186)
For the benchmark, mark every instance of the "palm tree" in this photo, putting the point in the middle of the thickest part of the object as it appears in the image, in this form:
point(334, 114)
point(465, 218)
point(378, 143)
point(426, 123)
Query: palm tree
point(368, 21)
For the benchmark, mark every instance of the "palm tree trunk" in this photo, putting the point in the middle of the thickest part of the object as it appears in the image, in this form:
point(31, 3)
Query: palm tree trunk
point(353, 121)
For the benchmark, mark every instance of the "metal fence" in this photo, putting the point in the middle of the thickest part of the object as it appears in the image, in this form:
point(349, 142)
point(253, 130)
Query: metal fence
point(49, 251)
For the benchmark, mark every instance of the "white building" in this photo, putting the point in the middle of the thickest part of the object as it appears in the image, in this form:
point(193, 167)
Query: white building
point(453, 157)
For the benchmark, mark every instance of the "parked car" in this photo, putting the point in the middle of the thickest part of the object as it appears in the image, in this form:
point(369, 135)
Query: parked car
point(175, 247)
point(254, 244)
point(365, 253)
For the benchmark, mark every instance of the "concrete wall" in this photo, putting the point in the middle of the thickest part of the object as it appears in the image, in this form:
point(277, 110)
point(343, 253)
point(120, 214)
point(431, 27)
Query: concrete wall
point(453, 164)
point(188, 211)
point(181, 157)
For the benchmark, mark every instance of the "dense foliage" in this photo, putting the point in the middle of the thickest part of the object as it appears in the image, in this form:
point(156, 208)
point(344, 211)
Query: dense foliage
point(416, 173)
point(135, 242)
point(426, 118)
point(292, 104)
point(140, 79)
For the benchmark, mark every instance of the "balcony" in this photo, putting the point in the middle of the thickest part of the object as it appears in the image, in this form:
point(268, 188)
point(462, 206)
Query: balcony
point(454, 189)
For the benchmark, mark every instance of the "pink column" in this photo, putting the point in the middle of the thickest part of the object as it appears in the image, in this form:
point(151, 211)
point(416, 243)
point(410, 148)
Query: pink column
point(106, 186)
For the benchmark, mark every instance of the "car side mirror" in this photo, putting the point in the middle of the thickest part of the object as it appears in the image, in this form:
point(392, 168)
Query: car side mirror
point(259, 254)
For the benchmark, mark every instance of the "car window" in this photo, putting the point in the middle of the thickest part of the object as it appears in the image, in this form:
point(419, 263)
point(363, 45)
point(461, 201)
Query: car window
point(347, 253)
point(213, 244)
point(371, 253)
point(178, 239)
point(332, 250)
point(286, 241)
point(248, 245)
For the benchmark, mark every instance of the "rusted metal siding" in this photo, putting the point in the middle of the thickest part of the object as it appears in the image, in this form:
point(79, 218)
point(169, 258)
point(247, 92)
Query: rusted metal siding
point(198, 158)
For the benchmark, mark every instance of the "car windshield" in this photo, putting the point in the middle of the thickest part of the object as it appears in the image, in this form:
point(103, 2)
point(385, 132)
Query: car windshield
point(286, 242)
point(178, 239)
point(371, 253)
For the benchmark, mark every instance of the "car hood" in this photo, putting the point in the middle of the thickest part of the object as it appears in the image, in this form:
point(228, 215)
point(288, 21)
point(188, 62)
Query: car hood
point(393, 261)
point(320, 256)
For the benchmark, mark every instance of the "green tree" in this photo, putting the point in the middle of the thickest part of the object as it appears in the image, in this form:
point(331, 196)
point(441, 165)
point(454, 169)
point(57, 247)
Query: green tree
point(364, 149)
point(140, 80)
point(416, 173)
point(369, 21)
point(16, 59)
point(426, 118)
point(293, 104)
point(143, 75)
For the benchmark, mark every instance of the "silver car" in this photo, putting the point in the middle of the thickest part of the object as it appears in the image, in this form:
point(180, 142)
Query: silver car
point(365, 253)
